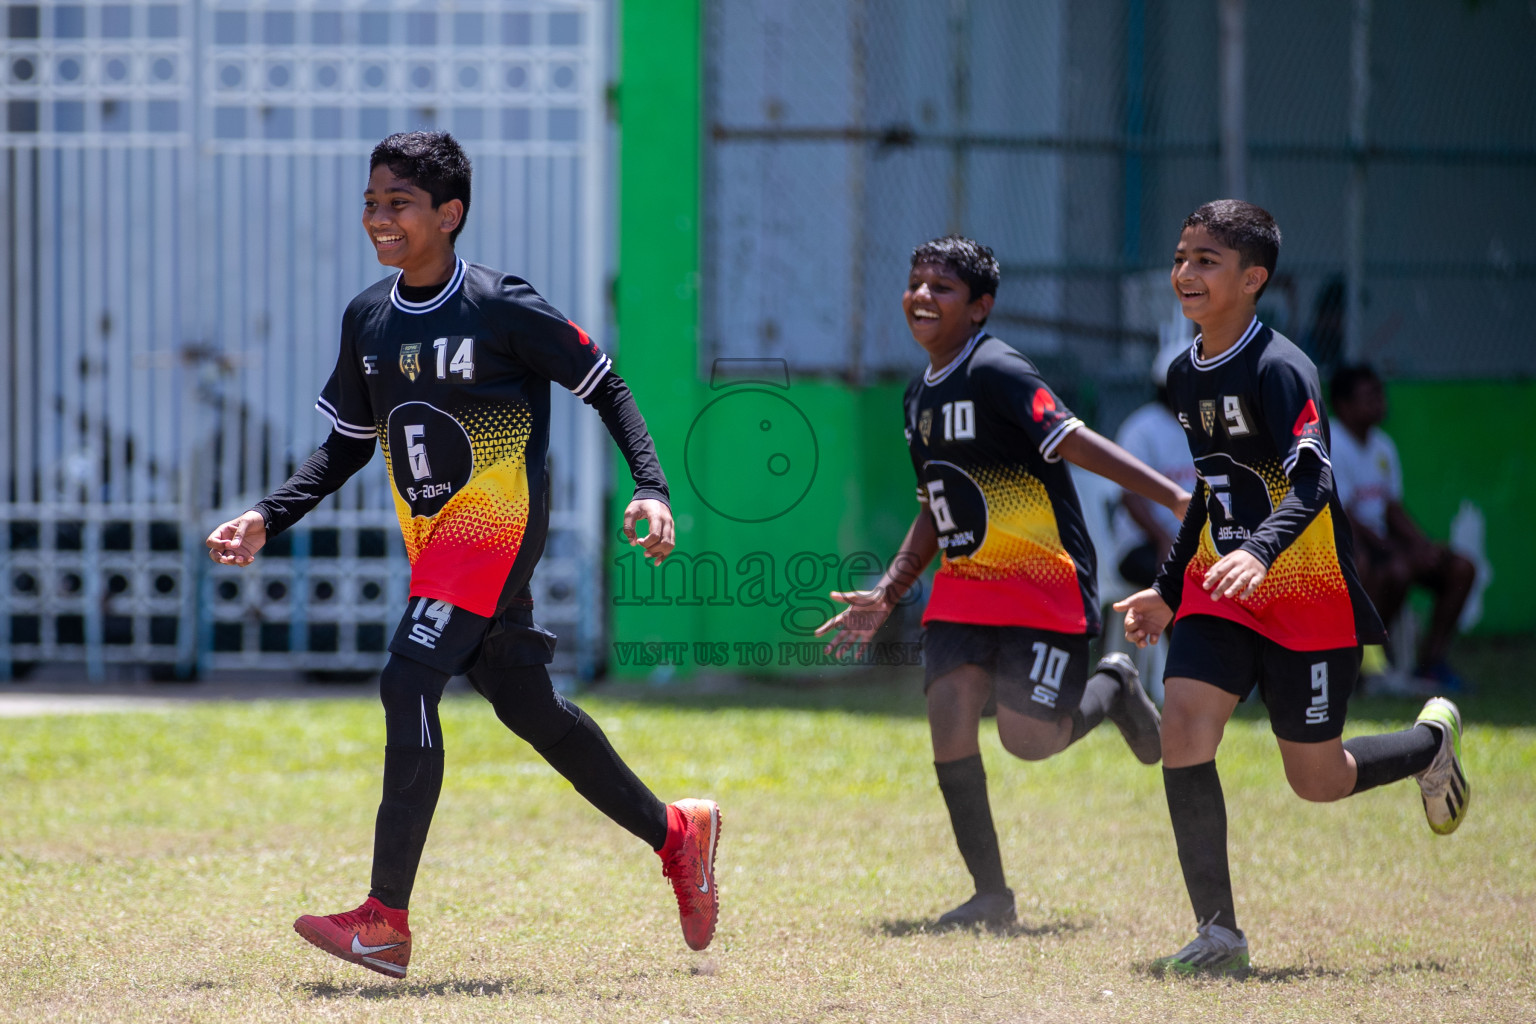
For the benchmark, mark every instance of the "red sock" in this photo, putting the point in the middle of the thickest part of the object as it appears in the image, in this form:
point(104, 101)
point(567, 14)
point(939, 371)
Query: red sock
point(396, 917)
point(675, 828)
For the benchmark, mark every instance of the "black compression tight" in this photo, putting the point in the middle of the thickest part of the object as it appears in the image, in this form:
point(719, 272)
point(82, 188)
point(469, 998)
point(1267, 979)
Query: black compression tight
point(413, 776)
point(525, 700)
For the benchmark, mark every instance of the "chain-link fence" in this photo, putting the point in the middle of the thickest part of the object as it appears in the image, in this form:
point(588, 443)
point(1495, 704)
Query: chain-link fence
point(180, 186)
point(1397, 141)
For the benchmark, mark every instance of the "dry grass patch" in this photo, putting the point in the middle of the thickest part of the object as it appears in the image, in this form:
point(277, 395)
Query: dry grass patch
point(150, 867)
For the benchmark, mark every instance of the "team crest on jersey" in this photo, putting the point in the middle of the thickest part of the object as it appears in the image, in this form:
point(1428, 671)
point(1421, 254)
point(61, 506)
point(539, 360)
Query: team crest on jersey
point(1207, 415)
point(925, 424)
point(410, 360)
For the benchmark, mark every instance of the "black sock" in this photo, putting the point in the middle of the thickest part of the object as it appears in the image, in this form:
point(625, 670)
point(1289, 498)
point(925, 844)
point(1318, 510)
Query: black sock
point(587, 760)
point(1099, 696)
point(1390, 756)
point(1199, 815)
point(413, 777)
point(964, 785)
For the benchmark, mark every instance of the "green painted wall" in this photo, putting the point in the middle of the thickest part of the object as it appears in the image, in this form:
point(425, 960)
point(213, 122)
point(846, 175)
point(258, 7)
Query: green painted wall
point(822, 465)
point(1475, 441)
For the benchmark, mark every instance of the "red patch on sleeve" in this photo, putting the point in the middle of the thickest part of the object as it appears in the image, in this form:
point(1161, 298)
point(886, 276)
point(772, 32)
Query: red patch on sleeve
point(1043, 404)
point(1308, 418)
point(581, 334)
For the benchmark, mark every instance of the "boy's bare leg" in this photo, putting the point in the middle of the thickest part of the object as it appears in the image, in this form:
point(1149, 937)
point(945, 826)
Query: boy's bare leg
point(1032, 739)
point(1319, 772)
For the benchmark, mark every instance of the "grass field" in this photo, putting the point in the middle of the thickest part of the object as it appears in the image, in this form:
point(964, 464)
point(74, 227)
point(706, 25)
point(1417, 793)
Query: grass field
point(151, 865)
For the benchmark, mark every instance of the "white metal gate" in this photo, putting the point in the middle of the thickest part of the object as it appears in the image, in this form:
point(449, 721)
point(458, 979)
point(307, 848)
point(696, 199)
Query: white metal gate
point(180, 185)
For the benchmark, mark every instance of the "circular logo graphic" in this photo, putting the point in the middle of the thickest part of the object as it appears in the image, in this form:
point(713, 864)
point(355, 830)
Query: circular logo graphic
point(958, 507)
point(430, 456)
point(1235, 495)
point(751, 455)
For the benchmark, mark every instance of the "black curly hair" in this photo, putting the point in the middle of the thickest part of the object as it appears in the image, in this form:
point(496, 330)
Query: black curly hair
point(1242, 226)
point(432, 161)
point(971, 261)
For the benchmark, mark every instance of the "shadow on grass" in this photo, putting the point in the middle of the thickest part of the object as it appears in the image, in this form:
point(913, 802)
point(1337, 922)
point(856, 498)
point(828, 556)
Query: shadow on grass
point(1285, 975)
point(409, 990)
point(901, 928)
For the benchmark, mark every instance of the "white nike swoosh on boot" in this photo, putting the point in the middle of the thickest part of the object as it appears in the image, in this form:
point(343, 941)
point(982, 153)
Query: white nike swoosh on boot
point(360, 949)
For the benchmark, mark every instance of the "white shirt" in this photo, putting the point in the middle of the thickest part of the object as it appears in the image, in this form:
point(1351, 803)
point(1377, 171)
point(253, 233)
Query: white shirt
point(1367, 477)
point(1152, 434)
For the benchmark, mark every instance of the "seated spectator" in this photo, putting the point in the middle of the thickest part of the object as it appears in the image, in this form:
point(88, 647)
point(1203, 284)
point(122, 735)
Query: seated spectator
point(1144, 530)
point(1391, 552)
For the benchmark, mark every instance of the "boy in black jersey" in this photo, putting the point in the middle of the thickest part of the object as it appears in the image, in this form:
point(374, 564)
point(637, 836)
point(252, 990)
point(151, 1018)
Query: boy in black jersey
point(1016, 599)
point(1261, 583)
point(448, 365)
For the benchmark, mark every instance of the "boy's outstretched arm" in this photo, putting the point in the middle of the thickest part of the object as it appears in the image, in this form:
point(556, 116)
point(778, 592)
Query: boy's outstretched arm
point(332, 464)
point(1098, 454)
point(867, 609)
point(615, 405)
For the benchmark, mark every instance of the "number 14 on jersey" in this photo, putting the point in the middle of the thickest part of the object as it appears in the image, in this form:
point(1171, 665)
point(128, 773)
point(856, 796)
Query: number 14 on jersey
point(463, 362)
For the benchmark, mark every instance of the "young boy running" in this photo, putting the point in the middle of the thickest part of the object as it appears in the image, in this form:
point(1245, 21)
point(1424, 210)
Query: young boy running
point(1016, 599)
point(1263, 583)
point(448, 364)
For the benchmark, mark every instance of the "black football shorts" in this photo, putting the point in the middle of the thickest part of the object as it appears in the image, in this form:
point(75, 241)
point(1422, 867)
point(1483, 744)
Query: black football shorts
point(1034, 671)
point(452, 639)
point(1306, 692)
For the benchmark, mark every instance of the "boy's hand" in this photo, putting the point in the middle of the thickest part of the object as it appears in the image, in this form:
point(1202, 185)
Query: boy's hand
point(1236, 575)
point(867, 610)
point(658, 541)
point(237, 541)
point(1146, 616)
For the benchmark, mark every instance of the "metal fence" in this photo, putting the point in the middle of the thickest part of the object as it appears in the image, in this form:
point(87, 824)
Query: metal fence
point(1395, 143)
point(179, 196)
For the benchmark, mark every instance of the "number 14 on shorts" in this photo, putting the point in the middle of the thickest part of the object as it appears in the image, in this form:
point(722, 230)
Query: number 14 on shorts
point(435, 612)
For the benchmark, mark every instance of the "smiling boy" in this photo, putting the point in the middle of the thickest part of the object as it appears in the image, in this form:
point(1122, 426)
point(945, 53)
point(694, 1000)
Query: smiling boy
point(447, 365)
point(1261, 583)
point(1016, 600)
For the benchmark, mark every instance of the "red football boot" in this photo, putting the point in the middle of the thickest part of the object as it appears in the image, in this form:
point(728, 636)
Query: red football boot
point(688, 859)
point(373, 935)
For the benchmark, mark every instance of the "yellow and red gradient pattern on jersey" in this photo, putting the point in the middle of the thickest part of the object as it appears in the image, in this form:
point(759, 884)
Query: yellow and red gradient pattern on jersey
point(1303, 603)
point(463, 553)
point(1020, 575)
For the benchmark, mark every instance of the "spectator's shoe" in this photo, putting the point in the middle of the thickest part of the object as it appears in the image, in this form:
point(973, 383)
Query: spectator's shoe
point(1216, 950)
point(1133, 713)
point(983, 910)
point(1444, 784)
point(688, 860)
point(373, 935)
point(1441, 677)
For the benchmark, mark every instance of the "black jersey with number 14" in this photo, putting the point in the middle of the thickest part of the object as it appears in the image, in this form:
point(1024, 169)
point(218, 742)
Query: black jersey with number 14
point(457, 391)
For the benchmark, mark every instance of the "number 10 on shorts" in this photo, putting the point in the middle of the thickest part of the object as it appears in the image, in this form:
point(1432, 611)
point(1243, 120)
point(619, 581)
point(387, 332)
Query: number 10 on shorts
point(1045, 673)
point(1317, 712)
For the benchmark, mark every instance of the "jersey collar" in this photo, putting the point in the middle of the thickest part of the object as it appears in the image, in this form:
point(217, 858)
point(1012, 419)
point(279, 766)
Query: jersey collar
point(929, 377)
point(435, 301)
point(1211, 364)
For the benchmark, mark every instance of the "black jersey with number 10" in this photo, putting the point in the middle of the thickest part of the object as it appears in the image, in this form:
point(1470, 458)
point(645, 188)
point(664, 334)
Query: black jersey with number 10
point(982, 433)
point(457, 391)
